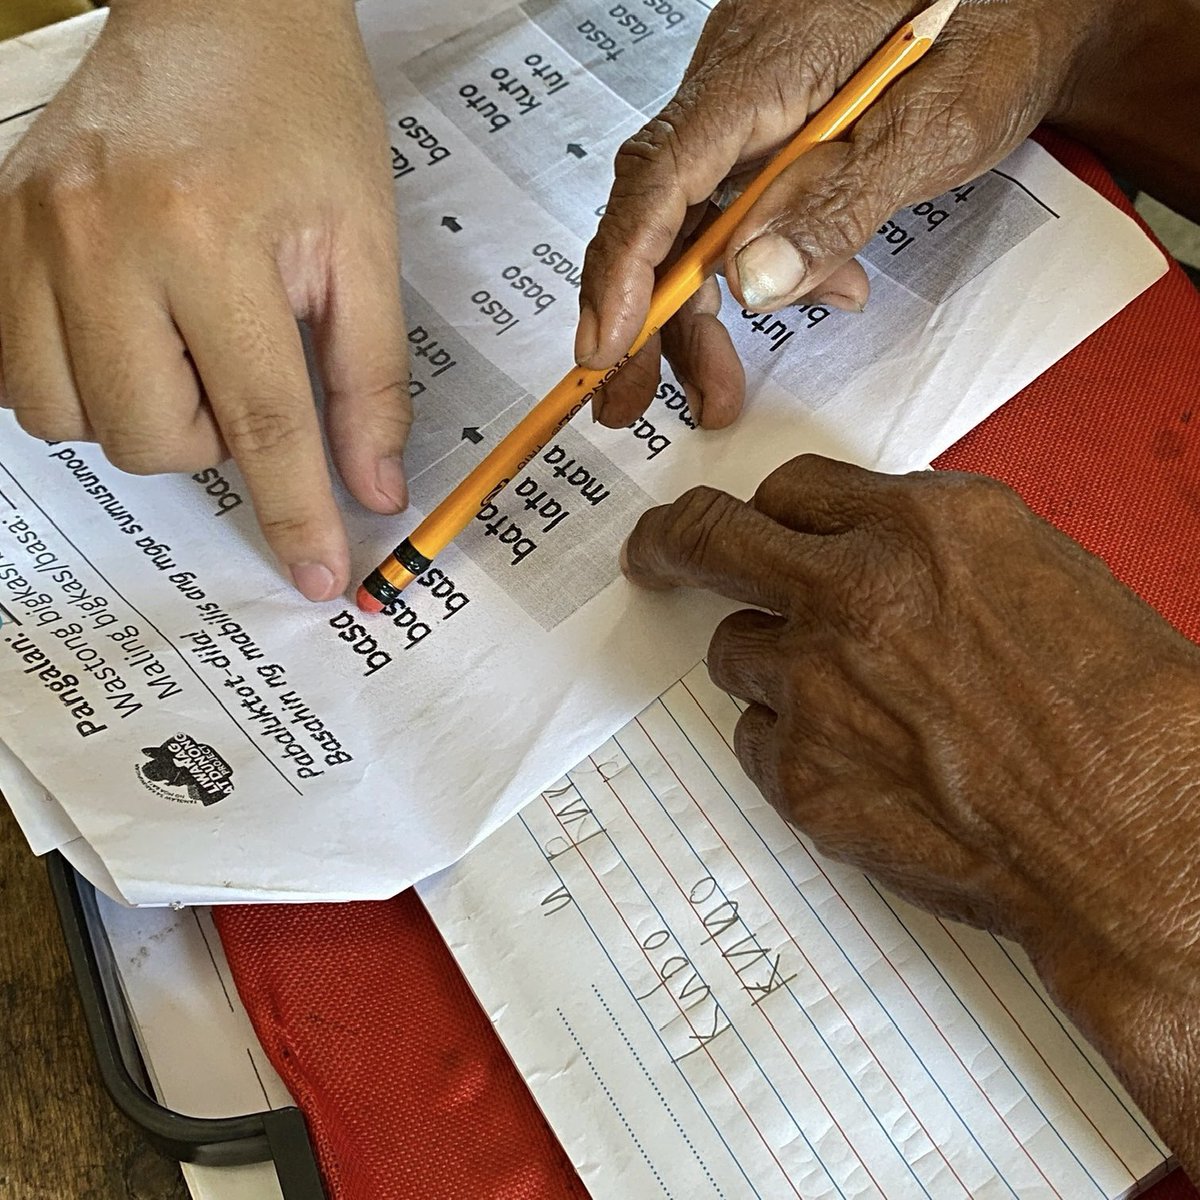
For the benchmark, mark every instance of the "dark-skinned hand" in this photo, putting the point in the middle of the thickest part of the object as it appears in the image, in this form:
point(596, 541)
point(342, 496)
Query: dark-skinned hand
point(947, 692)
point(761, 68)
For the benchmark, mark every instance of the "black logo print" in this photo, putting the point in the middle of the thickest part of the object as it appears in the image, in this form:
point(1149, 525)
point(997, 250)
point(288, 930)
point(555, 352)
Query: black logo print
point(183, 763)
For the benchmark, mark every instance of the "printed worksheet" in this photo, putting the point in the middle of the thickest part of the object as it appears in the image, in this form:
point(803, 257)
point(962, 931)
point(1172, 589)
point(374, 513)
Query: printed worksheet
point(704, 1007)
point(200, 734)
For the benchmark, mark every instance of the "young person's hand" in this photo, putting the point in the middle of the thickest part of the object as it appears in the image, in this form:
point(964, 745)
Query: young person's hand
point(213, 171)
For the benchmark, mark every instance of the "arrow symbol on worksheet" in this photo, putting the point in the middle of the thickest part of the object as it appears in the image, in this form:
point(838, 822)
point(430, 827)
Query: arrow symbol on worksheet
point(471, 434)
point(576, 149)
point(451, 223)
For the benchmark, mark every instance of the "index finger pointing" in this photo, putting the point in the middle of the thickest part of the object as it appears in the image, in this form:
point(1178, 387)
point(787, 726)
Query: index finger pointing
point(708, 539)
point(246, 346)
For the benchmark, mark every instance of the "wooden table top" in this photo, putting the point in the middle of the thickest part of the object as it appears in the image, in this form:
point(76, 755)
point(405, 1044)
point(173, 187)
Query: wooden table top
point(60, 1136)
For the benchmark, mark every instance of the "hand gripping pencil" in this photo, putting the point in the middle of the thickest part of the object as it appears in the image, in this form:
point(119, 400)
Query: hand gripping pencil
point(677, 284)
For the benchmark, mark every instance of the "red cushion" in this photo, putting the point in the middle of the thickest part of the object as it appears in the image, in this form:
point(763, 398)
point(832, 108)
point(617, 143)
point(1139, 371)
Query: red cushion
point(361, 1008)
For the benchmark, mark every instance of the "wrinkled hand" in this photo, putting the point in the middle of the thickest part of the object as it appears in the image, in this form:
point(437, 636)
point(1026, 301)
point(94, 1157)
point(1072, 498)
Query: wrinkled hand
point(760, 69)
point(948, 693)
point(213, 171)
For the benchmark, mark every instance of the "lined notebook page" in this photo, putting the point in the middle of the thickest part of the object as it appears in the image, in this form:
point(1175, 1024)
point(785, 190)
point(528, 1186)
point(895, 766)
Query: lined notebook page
point(703, 1006)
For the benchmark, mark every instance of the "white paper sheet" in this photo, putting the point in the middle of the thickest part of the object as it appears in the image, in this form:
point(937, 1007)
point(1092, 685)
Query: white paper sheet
point(705, 1007)
point(194, 1033)
point(223, 740)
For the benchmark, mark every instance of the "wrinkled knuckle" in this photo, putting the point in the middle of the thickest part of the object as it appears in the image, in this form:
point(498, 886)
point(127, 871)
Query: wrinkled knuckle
point(286, 529)
point(744, 741)
point(72, 205)
point(887, 599)
point(958, 497)
point(64, 189)
point(260, 432)
point(850, 214)
point(183, 204)
point(993, 503)
point(802, 465)
point(631, 161)
point(939, 117)
point(48, 423)
point(987, 488)
point(719, 655)
point(694, 520)
point(757, 750)
point(782, 490)
point(388, 399)
point(136, 453)
point(820, 68)
point(652, 156)
point(775, 491)
point(595, 260)
point(837, 218)
point(58, 190)
point(964, 132)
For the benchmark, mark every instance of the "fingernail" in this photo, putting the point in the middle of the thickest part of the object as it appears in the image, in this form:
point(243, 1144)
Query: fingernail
point(840, 301)
point(597, 407)
point(314, 581)
point(587, 335)
point(769, 270)
point(623, 557)
point(391, 483)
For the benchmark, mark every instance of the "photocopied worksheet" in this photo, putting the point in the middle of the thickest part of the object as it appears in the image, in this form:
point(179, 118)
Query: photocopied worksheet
point(704, 1007)
point(193, 732)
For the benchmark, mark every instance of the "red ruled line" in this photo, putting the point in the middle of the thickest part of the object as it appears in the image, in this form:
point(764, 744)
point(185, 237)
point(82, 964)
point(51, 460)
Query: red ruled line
point(807, 962)
point(650, 963)
point(1032, 1045)
point(887, 958)
point(761, 1008)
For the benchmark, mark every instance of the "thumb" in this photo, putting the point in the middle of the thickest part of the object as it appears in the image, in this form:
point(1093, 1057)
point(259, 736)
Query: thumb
point(362, 353)
point(821, 211)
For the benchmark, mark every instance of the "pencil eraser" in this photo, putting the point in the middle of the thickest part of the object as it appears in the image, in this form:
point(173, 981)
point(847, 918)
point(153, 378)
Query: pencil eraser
point(368, 603)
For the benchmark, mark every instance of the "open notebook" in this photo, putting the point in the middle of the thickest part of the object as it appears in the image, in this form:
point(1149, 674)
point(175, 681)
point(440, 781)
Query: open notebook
point(704, 1007)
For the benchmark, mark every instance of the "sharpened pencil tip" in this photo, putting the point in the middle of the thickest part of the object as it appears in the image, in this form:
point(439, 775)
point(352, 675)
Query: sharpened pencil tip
point(932, 21)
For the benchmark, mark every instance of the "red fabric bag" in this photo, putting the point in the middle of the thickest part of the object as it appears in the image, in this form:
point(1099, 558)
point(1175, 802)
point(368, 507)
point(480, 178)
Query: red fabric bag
point(408, 1093)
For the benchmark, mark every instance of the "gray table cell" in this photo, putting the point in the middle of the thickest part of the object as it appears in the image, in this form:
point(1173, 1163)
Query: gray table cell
point(812, 351)
point(576, 190)
point(934, 248)
point(453, 388)
point(517, 94)
point(551, 538)
point(639, 48)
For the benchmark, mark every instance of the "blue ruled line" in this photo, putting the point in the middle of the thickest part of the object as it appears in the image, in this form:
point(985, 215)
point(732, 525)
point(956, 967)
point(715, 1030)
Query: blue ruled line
point(983, 1033)
point(834, 1056)
point(917, 944)
point(1073, 1038)
point(735, 1030)
point(637, 1058)
point(653, 1028)
point(616, 1107)
point(841, 949)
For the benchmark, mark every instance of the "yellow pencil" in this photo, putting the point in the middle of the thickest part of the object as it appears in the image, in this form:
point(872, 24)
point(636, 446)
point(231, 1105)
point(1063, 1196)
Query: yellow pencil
point(678, 283)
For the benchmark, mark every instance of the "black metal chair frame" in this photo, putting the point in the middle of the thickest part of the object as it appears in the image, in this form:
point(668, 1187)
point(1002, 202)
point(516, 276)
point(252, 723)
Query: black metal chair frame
point(278, 1135)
